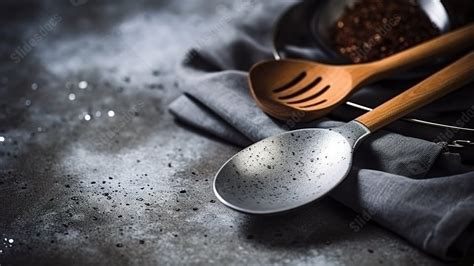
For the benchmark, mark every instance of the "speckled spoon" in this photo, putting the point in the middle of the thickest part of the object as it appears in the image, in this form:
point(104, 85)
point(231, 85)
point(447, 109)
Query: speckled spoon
point(292, 169)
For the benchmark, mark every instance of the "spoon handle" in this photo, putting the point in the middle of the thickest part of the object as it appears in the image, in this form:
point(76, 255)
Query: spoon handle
point(439, 84)
point(455, 41)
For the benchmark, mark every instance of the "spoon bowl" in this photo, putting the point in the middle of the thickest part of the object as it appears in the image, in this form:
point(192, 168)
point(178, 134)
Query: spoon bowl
point(285, 167)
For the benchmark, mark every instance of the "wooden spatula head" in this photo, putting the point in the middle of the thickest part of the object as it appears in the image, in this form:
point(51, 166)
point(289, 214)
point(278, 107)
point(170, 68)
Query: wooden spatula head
point(282, 88)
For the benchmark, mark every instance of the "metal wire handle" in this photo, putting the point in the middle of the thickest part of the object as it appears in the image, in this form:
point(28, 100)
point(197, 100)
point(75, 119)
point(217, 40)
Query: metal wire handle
point(414, 120)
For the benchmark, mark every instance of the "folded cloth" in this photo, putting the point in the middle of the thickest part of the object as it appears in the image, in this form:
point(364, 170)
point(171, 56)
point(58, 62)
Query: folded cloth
point(406, 184)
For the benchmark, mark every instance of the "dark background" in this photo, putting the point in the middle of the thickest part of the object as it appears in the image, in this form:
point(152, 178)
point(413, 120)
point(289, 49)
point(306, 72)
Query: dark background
point(136, 187)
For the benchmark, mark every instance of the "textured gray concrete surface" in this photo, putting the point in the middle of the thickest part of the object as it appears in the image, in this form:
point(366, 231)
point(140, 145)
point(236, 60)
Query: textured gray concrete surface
point(81, 185)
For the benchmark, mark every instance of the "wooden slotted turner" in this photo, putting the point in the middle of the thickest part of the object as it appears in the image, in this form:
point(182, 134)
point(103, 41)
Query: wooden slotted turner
point(283, 88)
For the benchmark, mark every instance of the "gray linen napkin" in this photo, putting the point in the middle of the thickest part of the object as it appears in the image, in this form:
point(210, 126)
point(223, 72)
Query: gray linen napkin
point(402, 182)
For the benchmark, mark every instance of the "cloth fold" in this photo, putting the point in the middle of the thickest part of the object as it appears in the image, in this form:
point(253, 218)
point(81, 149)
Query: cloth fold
point(393, 178)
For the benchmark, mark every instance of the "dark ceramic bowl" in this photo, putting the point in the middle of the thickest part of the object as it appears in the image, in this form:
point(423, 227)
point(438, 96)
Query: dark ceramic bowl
point(328, 12)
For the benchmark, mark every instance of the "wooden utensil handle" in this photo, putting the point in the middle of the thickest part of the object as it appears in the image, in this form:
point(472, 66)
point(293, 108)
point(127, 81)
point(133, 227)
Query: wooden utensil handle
point(441, 83)
point(458, 40)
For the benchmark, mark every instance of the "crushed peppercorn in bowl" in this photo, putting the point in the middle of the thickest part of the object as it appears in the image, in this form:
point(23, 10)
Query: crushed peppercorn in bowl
point(359, 31)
